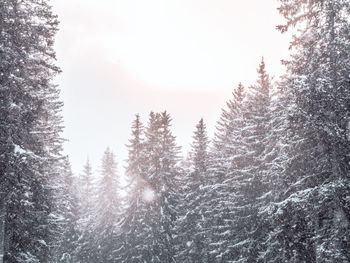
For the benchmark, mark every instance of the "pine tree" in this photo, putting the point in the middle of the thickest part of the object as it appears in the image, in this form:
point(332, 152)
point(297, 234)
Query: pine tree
point(86, 249)
point(251, 179)
point(276, 160)
point(162, 175)
point(239, 167)
point(107, 210)
point(190, 235)
point(86, 181)
point(69, 209)
point(217, 206)
point(227, 131)
point(315, 207)
point(199, 156)
point(30, 122)
point(134, 227)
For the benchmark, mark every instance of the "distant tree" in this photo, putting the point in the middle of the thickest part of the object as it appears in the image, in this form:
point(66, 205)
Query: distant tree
point(199, 156)
point(100, 224)
point(107, 210)
point(87, 190)
point(86, 249)
point(69, 214)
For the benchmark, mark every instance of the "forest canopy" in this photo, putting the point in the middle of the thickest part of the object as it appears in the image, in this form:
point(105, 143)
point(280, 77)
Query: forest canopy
point(271, 185)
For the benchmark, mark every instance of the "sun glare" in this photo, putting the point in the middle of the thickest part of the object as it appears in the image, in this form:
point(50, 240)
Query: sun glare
point(148, 195)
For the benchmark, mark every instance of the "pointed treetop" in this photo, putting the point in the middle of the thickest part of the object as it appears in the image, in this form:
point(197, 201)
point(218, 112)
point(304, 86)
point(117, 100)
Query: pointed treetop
point(199, 151)
point(166, 119)
point(201, 124)
point(108, 157)
point(136, 132)
point(238, 93)
point(200, 132)
point(264, 80)
point(87, 166)
point(261, 69)
point(200, 137)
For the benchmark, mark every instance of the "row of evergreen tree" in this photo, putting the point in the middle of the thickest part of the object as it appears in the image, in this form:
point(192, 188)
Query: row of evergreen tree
point(273, 185)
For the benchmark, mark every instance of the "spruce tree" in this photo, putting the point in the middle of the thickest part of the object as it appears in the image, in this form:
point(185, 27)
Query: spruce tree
point(134, 227)
point(218, 204)
point(69, 212)
point(162, 175)
point(251, 179)
point(107, 210)
point(277, 160)
point(86, 250)
point(87, 190)
point(190, 235)
point(30, 124)
point(239, 167)
point(315, 206)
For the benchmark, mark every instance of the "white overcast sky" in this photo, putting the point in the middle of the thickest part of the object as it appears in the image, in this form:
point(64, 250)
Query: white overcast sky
point(122, 57)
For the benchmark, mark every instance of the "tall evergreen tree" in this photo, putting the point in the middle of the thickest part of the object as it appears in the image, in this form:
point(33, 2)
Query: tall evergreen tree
point(87, 192)
point(227, 134)
point(87, 189)
point(135, 231)
point(162, 174)
point(240, 186)
point(190, 234)
point(30, 126)
point(278, 155)
point(199, 156)
point(251, 179)
point(86, 249)
point(217, 206)
point(68, 209)
point(107, 210)
point(315, 206)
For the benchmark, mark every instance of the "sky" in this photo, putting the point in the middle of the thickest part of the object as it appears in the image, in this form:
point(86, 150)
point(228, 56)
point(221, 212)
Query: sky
point(123, 57)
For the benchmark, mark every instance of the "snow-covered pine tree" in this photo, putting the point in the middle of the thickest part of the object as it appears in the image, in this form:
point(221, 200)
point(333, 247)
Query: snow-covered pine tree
point(277, 158)
point(316, 205)
point(191, 239)
point(86, 248)
point(199, 155)
point(162, 174)
point(227, 132)
point(86, 192)
point(249, 175)
point(142, 217)
point(30, 142)
point(217, 205)
point(134, 227)
point(107, 211)
point(69, 212)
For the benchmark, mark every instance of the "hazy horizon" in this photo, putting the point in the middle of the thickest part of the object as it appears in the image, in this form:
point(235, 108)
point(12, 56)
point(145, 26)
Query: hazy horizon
point(121, 58)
